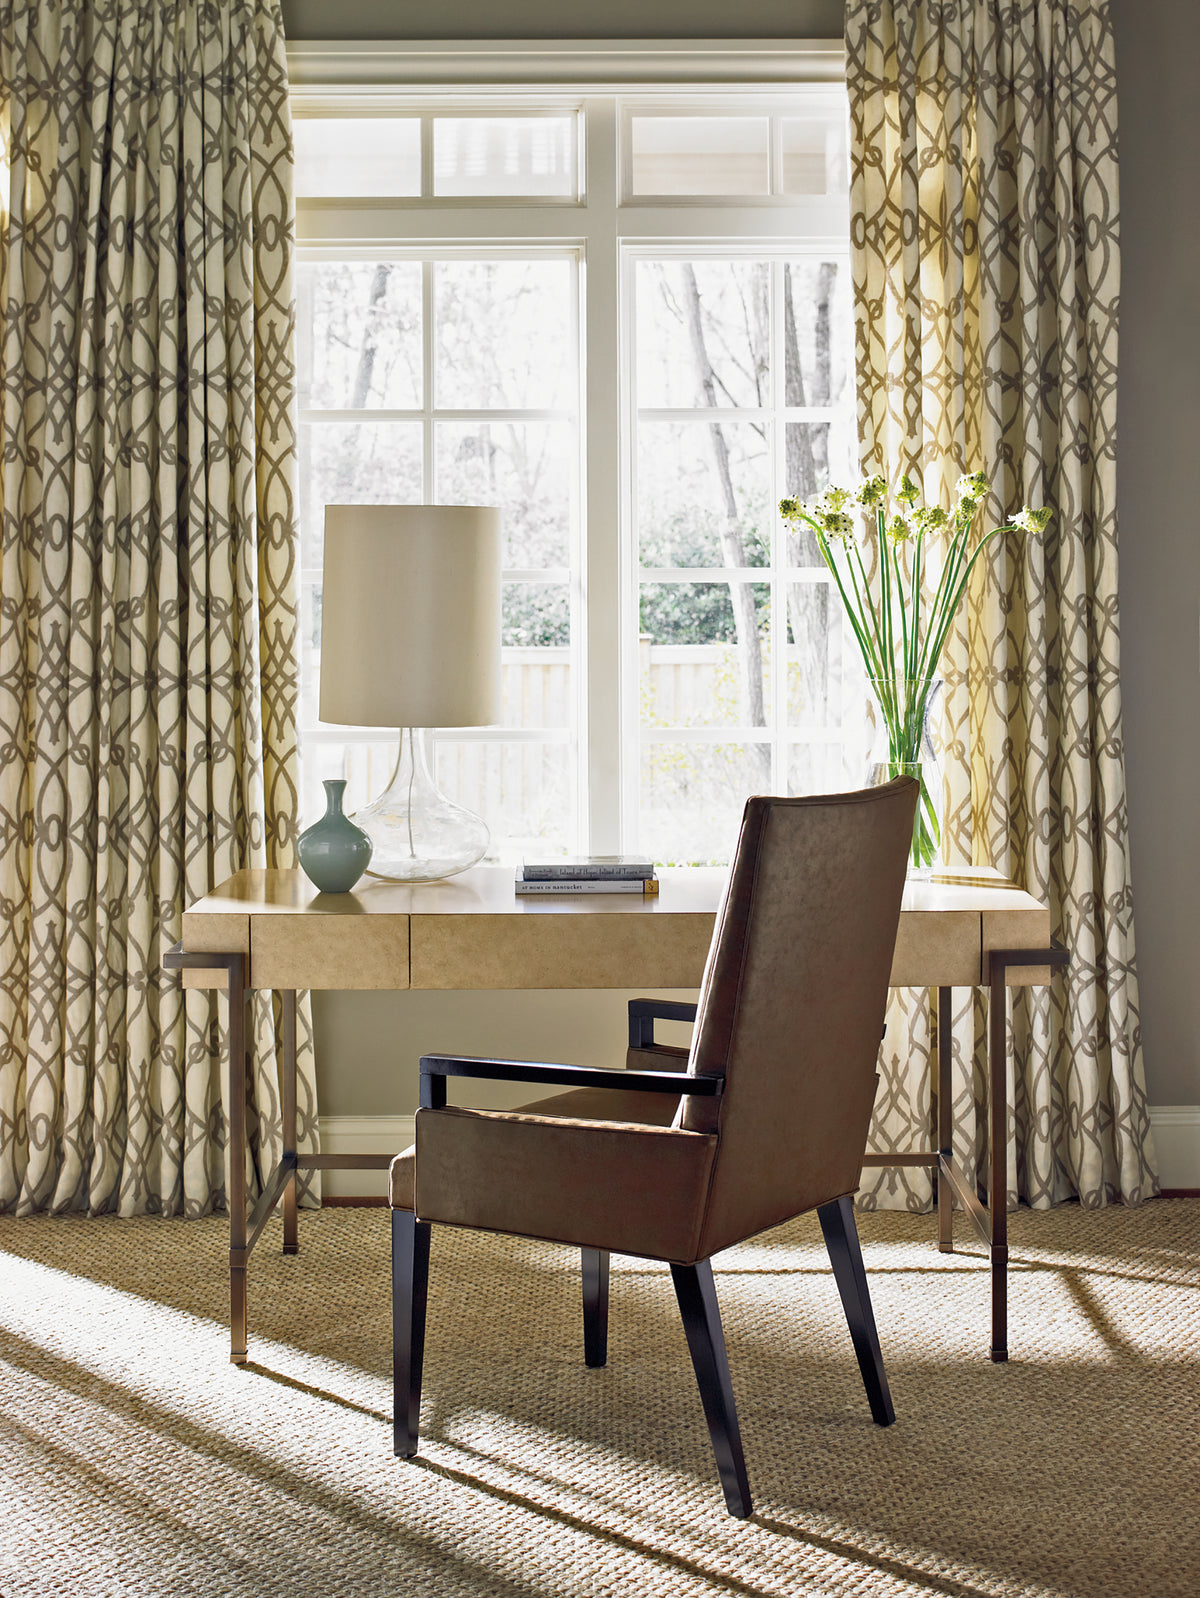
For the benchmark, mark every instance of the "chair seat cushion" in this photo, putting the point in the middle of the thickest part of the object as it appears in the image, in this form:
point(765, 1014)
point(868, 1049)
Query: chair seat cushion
point(628, 1186)
point(580, 1104)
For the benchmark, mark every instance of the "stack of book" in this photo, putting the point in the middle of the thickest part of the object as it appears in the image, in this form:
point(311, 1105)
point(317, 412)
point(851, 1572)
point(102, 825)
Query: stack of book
point(595, 873)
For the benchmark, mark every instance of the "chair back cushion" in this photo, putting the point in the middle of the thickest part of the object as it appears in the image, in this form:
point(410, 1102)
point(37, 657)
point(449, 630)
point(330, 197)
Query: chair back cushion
point(791, 1008)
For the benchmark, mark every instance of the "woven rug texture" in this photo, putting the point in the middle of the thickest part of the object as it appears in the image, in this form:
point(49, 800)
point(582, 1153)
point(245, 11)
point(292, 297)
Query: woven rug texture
point(135, 1460)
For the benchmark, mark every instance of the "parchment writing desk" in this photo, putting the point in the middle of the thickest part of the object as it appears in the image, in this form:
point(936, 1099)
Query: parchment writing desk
point(271, 929)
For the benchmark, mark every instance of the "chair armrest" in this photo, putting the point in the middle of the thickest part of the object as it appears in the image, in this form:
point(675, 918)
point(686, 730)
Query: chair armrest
point(644, 1012)
point(435, 1068)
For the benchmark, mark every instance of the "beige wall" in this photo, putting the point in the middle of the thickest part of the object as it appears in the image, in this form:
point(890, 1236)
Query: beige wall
point(368, 1044)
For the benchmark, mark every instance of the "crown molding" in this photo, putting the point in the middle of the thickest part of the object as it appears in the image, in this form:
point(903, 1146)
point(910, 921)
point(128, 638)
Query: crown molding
point(602, 63)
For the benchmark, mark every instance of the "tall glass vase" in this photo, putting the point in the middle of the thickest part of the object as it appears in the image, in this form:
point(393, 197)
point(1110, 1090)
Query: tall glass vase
point(902, 746)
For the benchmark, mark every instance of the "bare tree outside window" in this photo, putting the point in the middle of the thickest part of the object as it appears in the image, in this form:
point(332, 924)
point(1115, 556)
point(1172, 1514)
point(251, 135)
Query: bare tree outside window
point(729, 526)
point(708, 331)
point(806, 450)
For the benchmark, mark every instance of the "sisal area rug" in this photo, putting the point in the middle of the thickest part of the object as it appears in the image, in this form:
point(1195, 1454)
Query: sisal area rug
point(135, 1460)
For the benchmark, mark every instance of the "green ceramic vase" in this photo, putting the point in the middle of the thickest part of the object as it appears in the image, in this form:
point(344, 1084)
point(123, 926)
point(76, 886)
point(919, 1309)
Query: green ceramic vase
point(334, 852)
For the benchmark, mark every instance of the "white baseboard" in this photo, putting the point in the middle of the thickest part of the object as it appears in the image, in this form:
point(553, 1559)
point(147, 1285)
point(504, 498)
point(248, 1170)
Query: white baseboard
point(361, 1134)
point(1176, 1129)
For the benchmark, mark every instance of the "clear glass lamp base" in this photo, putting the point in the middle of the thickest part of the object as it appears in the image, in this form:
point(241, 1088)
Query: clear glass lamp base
point(417, 834)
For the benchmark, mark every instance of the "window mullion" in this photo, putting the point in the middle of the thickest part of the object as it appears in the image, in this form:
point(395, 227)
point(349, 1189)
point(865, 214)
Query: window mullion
point(605, 684)
point(428, 474)
point(426, 156)
point(779, 616)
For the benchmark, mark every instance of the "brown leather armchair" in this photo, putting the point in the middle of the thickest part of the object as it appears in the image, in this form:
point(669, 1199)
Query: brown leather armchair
point(768, 1120)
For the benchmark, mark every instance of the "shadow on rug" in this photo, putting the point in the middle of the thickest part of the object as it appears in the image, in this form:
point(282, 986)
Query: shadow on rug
point(136, 1460)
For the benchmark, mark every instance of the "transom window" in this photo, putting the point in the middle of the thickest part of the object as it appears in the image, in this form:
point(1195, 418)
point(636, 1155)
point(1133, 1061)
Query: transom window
point(625, 321)
point(422, 156)
point(747, 153)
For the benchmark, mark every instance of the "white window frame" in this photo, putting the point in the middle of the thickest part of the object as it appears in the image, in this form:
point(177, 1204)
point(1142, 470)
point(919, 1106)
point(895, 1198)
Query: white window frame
point(609, 229)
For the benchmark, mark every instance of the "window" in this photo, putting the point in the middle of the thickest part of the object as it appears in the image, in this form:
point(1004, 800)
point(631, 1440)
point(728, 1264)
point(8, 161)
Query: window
point(452, 378)
point(624, 319)
point(739, 397)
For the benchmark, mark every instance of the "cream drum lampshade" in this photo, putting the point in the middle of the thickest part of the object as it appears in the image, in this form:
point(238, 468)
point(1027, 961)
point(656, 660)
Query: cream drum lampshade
point(410, 638)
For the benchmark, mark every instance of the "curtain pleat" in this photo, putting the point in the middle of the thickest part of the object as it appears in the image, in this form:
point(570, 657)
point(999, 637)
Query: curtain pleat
point(984, 254)
point(148, 582)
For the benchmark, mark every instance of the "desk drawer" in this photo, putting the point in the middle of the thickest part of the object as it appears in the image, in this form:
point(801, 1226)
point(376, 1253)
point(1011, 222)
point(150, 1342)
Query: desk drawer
point(329, 951)
point(936, 948)
point(559, 951)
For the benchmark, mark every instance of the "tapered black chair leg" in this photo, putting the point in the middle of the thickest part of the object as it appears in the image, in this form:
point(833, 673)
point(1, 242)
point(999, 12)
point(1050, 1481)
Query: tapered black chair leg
point(845, 1255)
point(410, 1295)
point(702, 1322)
point(595, 1307)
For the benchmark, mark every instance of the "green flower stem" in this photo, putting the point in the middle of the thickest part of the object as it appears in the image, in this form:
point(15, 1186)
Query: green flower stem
point(936, 608)
point(927, 830)
point(910, 667)
point(885, 593)
point(864, 611)
point(827, 555)
point(867, 609)
point(945, 602)
point(899, 580)
point(937, 641)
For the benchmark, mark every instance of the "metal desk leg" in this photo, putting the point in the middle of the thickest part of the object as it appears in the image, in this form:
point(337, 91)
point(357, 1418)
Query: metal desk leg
point(1000, 961)
point(238, 1244)
point(945, 1135)
point(291, 1244)
point(998, 1156)
point(245, 1230)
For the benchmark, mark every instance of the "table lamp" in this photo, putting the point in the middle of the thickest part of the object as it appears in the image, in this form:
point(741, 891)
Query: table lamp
point(410, 638)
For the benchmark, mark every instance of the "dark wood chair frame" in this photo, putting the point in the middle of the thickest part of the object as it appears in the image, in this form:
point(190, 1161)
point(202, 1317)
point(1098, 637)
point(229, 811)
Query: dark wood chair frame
point(694, 1288)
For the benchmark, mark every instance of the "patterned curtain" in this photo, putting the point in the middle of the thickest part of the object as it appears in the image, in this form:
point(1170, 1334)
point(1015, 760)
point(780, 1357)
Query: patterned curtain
point(148, 581)
point(986, 277)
